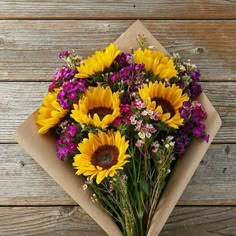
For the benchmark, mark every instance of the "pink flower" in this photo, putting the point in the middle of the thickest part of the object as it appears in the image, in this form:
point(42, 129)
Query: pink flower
point(139, 143)
point(125, 108)
point(117, 122)
point(138, 104)
point(113, 77)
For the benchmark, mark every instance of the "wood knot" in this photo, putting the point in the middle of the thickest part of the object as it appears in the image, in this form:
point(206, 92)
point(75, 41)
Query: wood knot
point(224, 170)
point(22, 164)
point(227, 150)
point(200, 50)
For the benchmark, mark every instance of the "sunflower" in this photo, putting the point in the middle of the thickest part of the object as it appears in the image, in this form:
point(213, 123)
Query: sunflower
point(98, 107)
point(97, 62)
point(50, 113)
point(156, 62)
point(165, 100)
point(101, 155)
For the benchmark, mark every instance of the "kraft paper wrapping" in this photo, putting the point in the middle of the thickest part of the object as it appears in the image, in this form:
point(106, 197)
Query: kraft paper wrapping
point(42, 149)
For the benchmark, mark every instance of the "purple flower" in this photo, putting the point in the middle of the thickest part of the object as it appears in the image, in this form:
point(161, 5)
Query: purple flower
point(60, 76)
point(206, 137)
point(132, 74)
point(194, 116)
point(66, 145)
point(197, 132)
point(71, 130)
point(124, 59)
point(64, 74)
point(64, 54)
point(70, 92)
point(195, 75)
point(62, 153)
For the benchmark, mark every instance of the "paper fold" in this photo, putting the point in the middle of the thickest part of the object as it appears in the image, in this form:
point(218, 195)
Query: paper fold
point(42, 149)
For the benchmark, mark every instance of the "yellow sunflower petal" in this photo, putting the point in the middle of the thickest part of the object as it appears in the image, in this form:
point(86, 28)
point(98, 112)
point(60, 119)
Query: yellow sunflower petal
point(97, 62)
point(98, 107)
point(50, 113)
point(108, 155)
point(164, 100)
point(156, 62)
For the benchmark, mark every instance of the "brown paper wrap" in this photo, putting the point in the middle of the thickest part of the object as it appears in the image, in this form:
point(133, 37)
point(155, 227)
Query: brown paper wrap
point(42, 149)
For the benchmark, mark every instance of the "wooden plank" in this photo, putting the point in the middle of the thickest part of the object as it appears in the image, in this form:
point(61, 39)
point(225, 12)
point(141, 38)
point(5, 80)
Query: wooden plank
point(47, 221)
point(197, 9)
point(27, 184)
point(205, 221)
point(29, 49)
point(73, 221)
point(20, 99)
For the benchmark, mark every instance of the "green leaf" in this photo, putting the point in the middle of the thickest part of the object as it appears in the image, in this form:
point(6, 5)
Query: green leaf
point(144, 186)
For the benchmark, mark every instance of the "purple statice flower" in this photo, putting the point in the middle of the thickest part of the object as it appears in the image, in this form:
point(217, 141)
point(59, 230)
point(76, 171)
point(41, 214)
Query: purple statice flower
point(71, 131)
point(131, 74)
point(194, 116)
point(195, 75)
point(62, 75)
point(182, 140)
point(64, 54)
point(124, 59)
point(66, 145)
point(70, 92)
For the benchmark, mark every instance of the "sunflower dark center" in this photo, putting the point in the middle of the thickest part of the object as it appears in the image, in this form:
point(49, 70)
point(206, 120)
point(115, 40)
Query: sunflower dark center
point(100, 111)
point(166, 105)
point(105, 156)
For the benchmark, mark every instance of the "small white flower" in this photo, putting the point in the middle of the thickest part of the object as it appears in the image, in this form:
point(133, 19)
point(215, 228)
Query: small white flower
point(167, 145)
point(141, 135)
point(144, 113)
point(85, 186)
point(151, 47)
point(150, 112)
point(148, 135)
point(169, 138)
point(172, 144)
point(182, 68)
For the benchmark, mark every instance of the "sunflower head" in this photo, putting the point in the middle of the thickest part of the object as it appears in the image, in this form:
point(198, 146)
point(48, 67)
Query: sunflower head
point(165, 100)
point(97, 62)
point(98, 107)
point(156, 62)
point(50, 113)
point(101, 155)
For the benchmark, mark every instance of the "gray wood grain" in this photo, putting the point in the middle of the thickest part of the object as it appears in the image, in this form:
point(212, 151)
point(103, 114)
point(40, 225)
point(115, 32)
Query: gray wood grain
point(205, 221)
point(196, 9)
point(20, 99)
point(47, 221)
point(73, 221)
point(24, 182)
point(29, 49)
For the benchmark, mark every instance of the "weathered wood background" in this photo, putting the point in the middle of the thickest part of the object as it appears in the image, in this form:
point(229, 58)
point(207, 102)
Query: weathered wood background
point(31, 35)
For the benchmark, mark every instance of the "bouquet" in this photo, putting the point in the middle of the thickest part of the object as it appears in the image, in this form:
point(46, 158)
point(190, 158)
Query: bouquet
point(122, 119)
